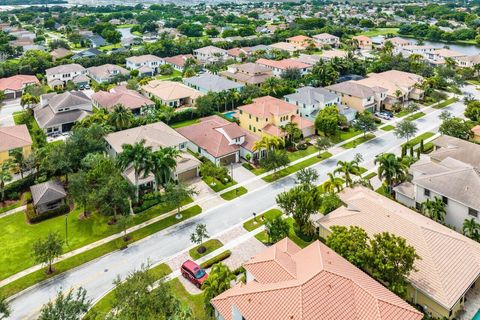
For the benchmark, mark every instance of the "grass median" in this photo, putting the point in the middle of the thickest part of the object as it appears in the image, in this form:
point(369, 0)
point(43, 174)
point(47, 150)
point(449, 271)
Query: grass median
point(84, 257)
point(358, 141)
point(445, 103)
point(210, 246)
point(235, 193)
point(415, 116)
point(417, 140)
point(259, 221)
point(388, 127)
point(296, 167)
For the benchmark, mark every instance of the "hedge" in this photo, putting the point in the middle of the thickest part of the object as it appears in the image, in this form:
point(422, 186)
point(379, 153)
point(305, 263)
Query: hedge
point(33, 217)
point(218, 258)
point(15, 189)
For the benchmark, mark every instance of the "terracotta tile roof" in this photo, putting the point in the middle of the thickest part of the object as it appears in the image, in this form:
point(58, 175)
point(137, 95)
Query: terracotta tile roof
point(392, 80)
point(450, 262)
point(313, 283)
point(14, 137)
point(170, 90)
point(362, 38)
point(283, 64)
point(302, 122)
point(121, 95)
point(18, 82)
point(178, 60)
point(268, 106)
point(299, 38)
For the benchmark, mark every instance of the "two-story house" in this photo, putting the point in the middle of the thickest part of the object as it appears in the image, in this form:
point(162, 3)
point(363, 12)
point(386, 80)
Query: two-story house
point(452, 174)
point(14, 139)
point(57, 113)
point(326, 39)
point(14, 86)
point(60, 75)
point(206, 83)
point(359, 96)
point(280, 67)
point(210, 54)
point(147, 64)
point(171, 93)
point(267, 115)
point(248, 73)
point(106, 73)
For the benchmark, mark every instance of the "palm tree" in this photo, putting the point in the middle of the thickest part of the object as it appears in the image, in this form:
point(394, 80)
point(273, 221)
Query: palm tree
point(271, 86)
point(163, 163)
point(388, 47)
point(471, 229)
point(121, 117)
point(292, 131)
point(19, 161)
point(346, 168)
point(333, 184)
point(450, 63)
point(218, 281)
point(28, 100)
point(268, 143)
point(136, 156)
point(5, 176)
point(434, 209)
point(391, 169)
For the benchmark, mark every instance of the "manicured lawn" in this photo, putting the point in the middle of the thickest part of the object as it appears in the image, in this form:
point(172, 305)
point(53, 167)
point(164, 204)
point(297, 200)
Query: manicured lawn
point(379, 32)
point(253, 224)
point(232, 194)
point(403, 113)
point(415, 116)
point(125, 26)
point(216, 185)
point(296, 167)
point(356, 142)
point(263, 236)
point(110, 47)
point(345, 135)
point(370, 175)
point(195, 302)
point(302, 153)
point(175, 74)
point(211, 245)
point(445, 103)
point(79, 259)
point(32, 125)
point(388, 127)
point(417, 140)
point(103, 306)
point(185, 123)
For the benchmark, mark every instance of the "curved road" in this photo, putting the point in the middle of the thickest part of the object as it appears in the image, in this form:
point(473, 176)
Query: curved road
point(97, 276)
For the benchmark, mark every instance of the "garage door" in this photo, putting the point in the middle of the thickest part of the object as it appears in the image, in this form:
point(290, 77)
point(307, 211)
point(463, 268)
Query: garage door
point(187, 175)
point(228, 159)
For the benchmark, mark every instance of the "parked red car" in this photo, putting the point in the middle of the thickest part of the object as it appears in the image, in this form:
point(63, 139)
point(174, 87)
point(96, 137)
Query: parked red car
point(192, 271)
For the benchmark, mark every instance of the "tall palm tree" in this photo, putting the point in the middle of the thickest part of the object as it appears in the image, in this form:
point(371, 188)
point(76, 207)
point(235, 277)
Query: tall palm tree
point(333, 184)
point(268, 143)
point(434, 209)
point(5, 176)
point(388, 47)
point(346, 168)
point(471, 229)
point(121, 117)
point(163, 163)
point(218, 281)
point(391, 169)
point(271, 86)
point(136, 156)
point(292, 131)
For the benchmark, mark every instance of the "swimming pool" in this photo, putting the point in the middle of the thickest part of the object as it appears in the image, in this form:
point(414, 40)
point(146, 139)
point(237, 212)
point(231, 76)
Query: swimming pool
point(230, 115)
point(476, 316)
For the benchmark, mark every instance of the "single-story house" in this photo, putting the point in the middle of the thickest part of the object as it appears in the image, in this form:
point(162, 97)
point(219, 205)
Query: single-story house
point(120, 95)
point(13, 86)
point(48, 196)
point(106, 72)
point(206, 83)
point(171, 93)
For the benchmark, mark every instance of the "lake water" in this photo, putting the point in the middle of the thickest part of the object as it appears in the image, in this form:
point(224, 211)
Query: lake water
point(468, 49)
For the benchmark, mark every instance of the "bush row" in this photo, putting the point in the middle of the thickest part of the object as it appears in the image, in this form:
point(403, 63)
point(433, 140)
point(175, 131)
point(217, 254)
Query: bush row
point(218, 258)
point(33, 217)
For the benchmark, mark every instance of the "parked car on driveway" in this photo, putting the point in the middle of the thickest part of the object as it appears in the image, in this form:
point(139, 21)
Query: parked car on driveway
point(192, 271)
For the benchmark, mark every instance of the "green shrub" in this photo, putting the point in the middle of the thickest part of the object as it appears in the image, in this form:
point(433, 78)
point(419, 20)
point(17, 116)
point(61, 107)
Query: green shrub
point(14, 189)
point(33, 217)
point(218, 258)
point(247, 166)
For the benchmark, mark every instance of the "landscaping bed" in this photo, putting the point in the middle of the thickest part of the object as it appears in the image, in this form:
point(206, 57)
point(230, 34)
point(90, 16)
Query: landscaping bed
point(210, 245)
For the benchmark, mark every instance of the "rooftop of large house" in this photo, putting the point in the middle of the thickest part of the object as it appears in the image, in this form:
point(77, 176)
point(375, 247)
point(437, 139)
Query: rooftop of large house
point(13, 137)
point(268, 106)
point(17, 82)
point(449, 262)
point(283, 64)
point(61, 108)
point(170, 90)
point(311, 95)
point(285, 46)
point(313, 283)
point(209, 134)
point(210, 50)
point(211, 82)
point(251, 73)
point(354, 89)
point(130, 99)
point(107, 70)
point(322, 36)
point(392, 80)
point(144, 58)
point(458, 149)
point(178, 60)
point(65, 68)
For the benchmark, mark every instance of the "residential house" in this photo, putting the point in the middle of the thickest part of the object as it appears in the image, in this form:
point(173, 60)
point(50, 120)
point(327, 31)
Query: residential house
point(60, 53)
point(398, 42)
point(210, 54)
point(439, 56)
point(178, 61)
point(58, 112)
point(106, 73)
point(326, 39)
point(146, 65)
point(207, 82)
point(363, 42)
point(358, 96)
point(171, 93)
point(120, 95)
point(447, 268)
point(48, 196)
point(311, 59)
point(468, 61)
point(288, 47)
point(333, 53)
point(315, 283)
point(88, 53)
point(248, 73)
point(239, 54)
point(156, 135)
point(412, 49)
point(97, 41)
point(14, 86)
point(265, 116)
point(279, 67)
point(14, 139)
point(220, 141)
point(60, 75)
point(301, 41)
point(451, 173)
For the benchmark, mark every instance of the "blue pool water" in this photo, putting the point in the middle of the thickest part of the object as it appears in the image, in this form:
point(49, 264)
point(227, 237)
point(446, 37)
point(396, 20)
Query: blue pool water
point(476, 316)
point(230, 114)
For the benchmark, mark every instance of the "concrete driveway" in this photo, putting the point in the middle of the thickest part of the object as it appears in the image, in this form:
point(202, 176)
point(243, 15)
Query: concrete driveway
point(6, 112)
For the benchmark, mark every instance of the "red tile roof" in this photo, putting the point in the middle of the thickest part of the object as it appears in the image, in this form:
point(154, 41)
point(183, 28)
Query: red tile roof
point(267, 106)
point(14, 137)
point(18, 82)
point(313, 283)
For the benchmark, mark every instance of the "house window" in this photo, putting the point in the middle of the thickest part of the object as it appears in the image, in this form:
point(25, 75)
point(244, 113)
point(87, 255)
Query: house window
point(472, 212)
point(426, 192)
point(445, 200)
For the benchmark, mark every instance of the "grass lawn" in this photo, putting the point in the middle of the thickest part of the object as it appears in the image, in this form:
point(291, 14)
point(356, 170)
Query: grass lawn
point(302, 153)
point(232, 194)
point(10, 206)
point(195, 302)
point(417, 140)
point(445, 103)
point(216, 185)
point(79, 259)
point(383, 191)
point(415, 116)
point(370, 175)
point(211, 245)
point(403, 113)
point(345, 135)
point(379, 32)
point(263, 236)
point(296, 167)
point(175, 74)
point(32, 125)
point(356, 142)
point(110, 47)
point(103, 306)
point(253, 224)
point(185, 123)
point(125, 26)
point(388, 127)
